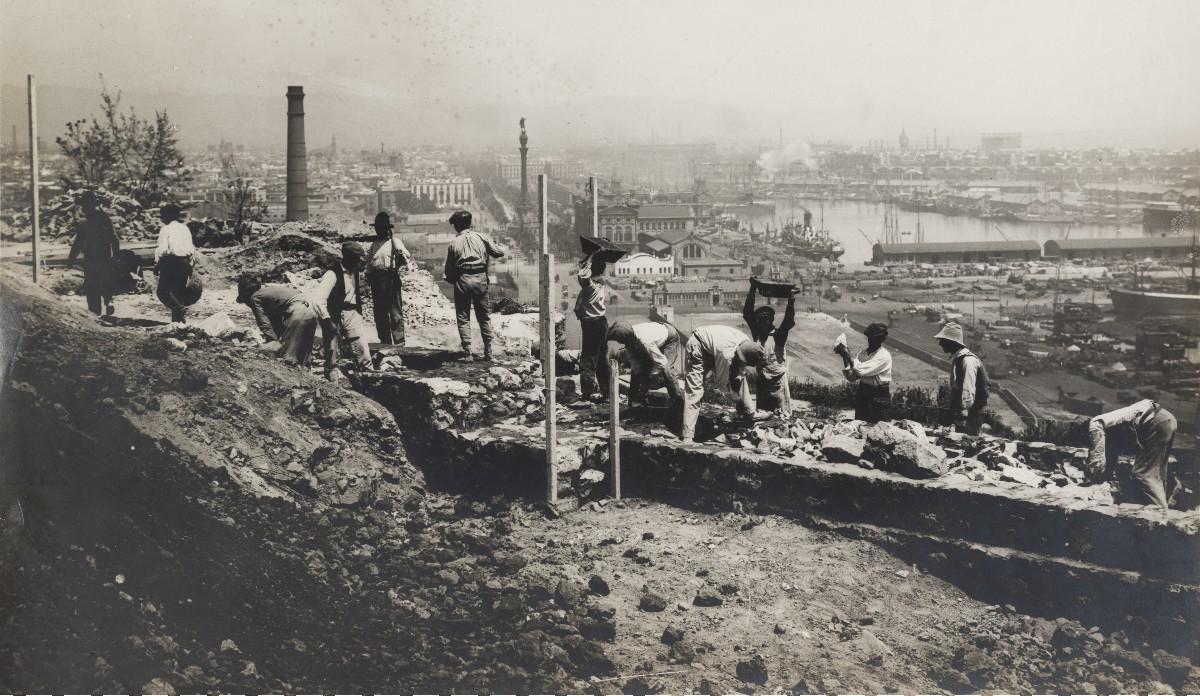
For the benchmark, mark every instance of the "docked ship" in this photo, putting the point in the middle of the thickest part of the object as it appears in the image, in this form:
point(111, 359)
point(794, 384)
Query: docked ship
point(1165, 301)
point(800, 239)
point(1136, 303)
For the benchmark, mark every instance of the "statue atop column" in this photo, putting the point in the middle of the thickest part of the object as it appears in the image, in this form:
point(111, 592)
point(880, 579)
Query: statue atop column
point(523, 203)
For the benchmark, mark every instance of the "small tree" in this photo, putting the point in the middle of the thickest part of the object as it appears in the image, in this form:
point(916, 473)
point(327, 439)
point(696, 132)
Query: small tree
point(239, 196)
point(124, 153)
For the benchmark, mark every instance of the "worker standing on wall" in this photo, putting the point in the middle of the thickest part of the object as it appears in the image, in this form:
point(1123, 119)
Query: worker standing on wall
point(969, 384)
point(467, 258)
point(593, 323)
point(771, 383)
point(385, 259)
point(871, 369)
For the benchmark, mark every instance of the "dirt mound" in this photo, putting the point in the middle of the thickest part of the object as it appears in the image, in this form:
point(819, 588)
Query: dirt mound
point(218, 518)
point(272, 257)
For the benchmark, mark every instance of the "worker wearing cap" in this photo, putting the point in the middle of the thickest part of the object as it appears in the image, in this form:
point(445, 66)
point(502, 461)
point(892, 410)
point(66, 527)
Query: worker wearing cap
point(1145, 430)
point(337, 299)
point(386, 256)
point(725, 353)
point(590, 310)
point(173, 260)
point(651, 348)
point(965, 368)
point(871, 369)
point(467, 258)
point(285, 317)
point(97, 239)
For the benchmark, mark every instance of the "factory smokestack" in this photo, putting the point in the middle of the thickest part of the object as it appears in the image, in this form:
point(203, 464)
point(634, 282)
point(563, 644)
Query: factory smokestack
point(297, 166)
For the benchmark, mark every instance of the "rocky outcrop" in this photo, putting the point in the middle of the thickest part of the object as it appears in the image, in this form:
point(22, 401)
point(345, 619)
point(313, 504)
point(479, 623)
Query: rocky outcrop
point(893, 449)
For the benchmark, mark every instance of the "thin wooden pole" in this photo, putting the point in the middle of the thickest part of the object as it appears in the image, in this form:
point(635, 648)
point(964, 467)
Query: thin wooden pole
point(614, 426)
point(549, 347)
point(33, 175)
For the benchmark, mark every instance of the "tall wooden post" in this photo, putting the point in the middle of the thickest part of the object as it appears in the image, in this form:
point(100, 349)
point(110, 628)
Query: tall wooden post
point(33, 176)
point(614, 426)
point(549, 346)
point(595, 207)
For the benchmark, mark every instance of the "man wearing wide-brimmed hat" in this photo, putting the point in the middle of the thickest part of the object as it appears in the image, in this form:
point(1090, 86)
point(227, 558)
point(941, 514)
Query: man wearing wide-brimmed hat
point(968, 380)
point(386, 257)
point(871, 369)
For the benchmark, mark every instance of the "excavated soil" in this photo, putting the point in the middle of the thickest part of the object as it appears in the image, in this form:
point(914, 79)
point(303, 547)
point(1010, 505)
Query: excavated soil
point(212, 520)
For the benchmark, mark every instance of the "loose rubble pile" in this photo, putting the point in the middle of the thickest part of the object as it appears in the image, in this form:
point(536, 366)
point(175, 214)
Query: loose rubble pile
point(909, 449)
point(131, 221)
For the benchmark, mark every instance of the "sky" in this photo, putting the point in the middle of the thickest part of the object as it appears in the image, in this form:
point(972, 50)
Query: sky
point(1062, 72)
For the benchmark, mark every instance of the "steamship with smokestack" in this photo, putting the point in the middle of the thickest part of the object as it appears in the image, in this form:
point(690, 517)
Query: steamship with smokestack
point(800, 239)
point(1138, 301)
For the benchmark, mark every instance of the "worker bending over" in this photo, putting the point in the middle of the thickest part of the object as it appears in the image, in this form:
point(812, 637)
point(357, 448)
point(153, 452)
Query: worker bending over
point(337, 299)
point(872, 371)
point(726, 354)
point(652, 348)
point(968, 380)
point(1145, 430)
point(286, 318)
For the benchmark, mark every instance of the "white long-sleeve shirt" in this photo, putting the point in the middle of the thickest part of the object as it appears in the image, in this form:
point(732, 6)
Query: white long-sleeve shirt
point(174, 239)
point(653, 336)
point(380, 254)
point(1098, 426)
point(874, 369)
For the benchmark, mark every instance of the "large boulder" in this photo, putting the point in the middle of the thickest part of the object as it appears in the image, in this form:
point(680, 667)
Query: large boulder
point(842, 448)
point(893, 449)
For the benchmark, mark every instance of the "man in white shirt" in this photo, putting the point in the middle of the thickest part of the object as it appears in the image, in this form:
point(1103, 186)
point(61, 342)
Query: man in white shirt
point(651, 347)
point(385, 258)
point(725, 353)
point(1145, 430)
point(338, 298)
point(173, 260)
point(872, 370)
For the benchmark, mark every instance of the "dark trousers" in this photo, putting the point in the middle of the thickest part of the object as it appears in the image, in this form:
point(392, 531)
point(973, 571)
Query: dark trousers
point(471, 291)
point(387, 303)
point(97, 284)
point(173, 272)
point(593, 358)
point(872, 403)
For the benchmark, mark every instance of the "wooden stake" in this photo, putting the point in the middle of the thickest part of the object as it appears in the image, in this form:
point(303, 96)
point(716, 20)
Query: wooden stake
point(614, 426)
point(33, 175)
point(549, 347)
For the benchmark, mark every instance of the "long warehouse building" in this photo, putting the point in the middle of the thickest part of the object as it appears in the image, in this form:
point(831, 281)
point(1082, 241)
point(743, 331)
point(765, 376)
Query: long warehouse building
point(1137, 248)
point(955, 252)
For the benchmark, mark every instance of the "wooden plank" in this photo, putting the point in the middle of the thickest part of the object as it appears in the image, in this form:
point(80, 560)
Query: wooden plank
point(614, 426)
point(33, 174)
point(549, 349)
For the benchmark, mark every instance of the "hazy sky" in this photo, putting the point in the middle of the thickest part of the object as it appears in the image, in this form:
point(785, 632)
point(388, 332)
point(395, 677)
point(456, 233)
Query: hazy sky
point(1096, 69)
